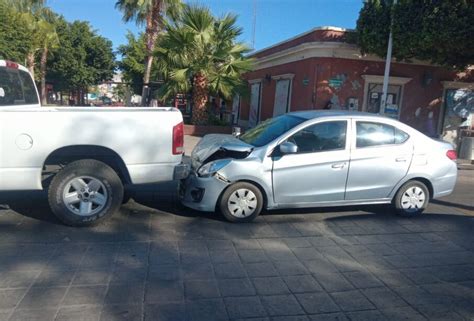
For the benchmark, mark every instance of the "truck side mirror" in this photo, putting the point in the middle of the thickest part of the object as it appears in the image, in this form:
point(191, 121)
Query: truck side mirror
point(288, 148)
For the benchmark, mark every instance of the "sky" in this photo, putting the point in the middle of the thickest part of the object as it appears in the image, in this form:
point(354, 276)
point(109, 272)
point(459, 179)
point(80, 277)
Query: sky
point(276, 20)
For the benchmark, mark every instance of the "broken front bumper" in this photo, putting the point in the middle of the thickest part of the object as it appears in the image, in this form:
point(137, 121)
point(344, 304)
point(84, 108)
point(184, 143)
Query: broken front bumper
point(181, 171)
point(201, 193)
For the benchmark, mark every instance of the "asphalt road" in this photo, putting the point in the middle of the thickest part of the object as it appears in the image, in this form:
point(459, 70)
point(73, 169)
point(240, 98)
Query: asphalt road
point(155, 260)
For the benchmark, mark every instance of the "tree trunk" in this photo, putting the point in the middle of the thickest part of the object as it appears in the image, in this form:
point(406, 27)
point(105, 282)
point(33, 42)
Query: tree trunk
point(30, 62)
point(200, 95)
point(44, 57)
point(151, 34)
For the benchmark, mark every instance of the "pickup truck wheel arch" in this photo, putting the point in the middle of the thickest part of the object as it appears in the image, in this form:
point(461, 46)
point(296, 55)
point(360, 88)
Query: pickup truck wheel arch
point(65, 155)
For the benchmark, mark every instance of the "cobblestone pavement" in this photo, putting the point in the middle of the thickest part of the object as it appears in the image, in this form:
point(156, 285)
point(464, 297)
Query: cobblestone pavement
point(157, 261)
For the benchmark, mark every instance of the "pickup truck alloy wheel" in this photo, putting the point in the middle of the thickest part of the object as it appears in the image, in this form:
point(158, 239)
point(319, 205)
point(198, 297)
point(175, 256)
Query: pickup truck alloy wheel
point(85, 195)
point(85, 192)
point(241, 202)
point(411, 199)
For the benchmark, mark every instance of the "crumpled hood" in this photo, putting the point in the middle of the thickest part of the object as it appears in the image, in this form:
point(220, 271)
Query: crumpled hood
point(217, 146)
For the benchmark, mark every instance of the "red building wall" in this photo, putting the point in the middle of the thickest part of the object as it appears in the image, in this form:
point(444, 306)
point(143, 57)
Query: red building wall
point(311, 90)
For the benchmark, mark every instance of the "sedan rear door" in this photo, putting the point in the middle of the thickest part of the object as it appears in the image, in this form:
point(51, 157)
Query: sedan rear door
point(380, 157)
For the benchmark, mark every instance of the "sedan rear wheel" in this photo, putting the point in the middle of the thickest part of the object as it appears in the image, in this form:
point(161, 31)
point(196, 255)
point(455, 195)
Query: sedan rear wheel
point(411, 199)
point(241, 202)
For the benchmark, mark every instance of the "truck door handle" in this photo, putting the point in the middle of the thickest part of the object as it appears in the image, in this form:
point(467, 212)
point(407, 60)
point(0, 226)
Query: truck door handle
point(338, 165)
point(400, 159)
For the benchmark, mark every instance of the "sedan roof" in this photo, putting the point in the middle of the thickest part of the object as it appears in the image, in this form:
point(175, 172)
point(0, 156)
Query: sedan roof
point(310, 114)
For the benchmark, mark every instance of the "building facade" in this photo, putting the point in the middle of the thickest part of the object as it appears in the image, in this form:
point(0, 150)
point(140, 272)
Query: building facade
point(321, 69)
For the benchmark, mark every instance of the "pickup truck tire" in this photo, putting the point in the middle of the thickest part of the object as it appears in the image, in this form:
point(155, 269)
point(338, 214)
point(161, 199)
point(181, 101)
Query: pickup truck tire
point(85, 192)
point(241, 202)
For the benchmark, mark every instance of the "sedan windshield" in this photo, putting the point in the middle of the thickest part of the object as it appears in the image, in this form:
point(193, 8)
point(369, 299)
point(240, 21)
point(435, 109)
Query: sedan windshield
point(270, 129)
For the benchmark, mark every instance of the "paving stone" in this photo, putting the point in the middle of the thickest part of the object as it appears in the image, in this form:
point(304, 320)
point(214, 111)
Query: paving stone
point(336, 316)
point(363, 280)
point(297, 242)
point(307, 253)
point(270, 286)
point(121, 312)
point(260, 269)
point(201, 289)
point(440, 312)
point(285, 268)
point(252, 256)
point(224, 256)
point(333, 282)
point(403, 313)
point(79, 313)
point(369, 315)
point(124, 294)
point(164, 291)
point(352, 301)
point(90, 294)
point(206, 310)
point(420, 275)
point(314, 303)
point(229, 270)
point(10, 298)
point(302, 284)
point(17, 279)
point(244, 307)
point(198, 271)
point(89, 277)
point(165, 312)
point(236, 287)
point(134, 275)
point(37, 298)
point(4, 314)
point(291, 318)
point(50, 278)
point(279, 305)
point(34, 315)
point(384, 298)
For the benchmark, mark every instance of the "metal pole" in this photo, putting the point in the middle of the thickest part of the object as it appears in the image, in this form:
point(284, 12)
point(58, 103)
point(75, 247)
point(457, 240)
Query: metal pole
point(383, 101)
point(254, 22)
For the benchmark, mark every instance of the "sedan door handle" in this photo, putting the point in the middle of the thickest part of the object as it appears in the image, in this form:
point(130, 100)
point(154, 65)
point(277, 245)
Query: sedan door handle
point(400, 159)
point(339, 165)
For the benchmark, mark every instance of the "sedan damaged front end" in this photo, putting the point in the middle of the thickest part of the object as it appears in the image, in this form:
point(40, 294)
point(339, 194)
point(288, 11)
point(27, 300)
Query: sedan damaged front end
point(206, 182)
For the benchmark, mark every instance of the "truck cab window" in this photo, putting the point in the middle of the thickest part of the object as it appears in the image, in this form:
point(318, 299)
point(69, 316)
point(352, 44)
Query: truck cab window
point(16, 88)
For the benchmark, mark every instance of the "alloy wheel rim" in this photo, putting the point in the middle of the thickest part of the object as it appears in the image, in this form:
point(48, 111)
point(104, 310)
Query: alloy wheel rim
point(242, 203)
point(85, 195)
point(413, 199)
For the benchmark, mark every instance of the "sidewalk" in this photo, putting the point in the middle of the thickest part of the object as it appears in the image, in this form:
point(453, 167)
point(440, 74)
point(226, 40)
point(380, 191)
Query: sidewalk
point(189, 143)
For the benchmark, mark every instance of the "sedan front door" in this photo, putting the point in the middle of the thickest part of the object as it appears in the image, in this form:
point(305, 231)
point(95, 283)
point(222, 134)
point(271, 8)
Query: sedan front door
point(318, 171)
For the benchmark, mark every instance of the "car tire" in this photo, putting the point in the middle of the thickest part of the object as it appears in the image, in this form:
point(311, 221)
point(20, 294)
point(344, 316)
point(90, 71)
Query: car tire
point(411, 199)
point(85, 192)
point(241, 202)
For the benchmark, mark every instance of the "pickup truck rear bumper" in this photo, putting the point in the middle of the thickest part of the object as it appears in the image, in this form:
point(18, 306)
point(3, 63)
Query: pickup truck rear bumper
point(181, 171)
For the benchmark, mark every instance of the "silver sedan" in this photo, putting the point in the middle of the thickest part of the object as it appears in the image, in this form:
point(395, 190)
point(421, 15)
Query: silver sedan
point(319, 159)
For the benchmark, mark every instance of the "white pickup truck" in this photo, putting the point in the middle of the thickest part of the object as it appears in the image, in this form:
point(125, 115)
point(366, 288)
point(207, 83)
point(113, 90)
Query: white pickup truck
point(83, 156)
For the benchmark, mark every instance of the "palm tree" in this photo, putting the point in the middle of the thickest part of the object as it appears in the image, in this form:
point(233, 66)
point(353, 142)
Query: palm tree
point(200, 52)
point(151, 13)
point(49, 40)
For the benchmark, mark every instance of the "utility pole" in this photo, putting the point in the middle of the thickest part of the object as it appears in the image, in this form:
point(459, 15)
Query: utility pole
point(383, 102)
point(254, 22)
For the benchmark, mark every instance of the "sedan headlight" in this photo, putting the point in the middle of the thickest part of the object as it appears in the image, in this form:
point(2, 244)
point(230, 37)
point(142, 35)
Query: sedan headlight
point(210, 168)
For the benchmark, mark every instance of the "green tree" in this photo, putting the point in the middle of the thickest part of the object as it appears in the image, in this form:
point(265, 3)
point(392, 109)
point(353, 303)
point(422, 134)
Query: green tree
point(83, 59)
point(132, 67)
point(437, 31)
point(200, 52)
point(152, 14)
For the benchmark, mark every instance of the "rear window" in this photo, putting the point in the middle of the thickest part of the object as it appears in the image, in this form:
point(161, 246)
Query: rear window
point(375, 134)
point(16, 88)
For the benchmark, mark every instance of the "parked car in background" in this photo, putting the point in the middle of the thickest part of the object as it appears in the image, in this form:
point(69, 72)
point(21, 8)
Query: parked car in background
point(83, 156)
point(319, 158)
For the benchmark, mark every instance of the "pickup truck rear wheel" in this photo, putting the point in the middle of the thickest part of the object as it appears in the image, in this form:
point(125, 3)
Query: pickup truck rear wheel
point(85, 192)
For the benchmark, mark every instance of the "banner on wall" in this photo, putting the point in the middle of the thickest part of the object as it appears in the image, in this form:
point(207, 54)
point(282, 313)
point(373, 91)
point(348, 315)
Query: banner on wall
point(254, 104)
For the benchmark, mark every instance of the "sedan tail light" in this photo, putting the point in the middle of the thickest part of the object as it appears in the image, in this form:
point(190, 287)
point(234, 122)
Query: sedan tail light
point(451, 154)
point(178, 139)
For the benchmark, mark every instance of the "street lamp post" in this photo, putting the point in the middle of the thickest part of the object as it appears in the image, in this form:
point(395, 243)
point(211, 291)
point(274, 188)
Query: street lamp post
point(383, 102)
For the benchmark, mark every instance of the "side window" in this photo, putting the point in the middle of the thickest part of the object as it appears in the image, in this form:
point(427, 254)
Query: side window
point(376, 134)
point(321, 137)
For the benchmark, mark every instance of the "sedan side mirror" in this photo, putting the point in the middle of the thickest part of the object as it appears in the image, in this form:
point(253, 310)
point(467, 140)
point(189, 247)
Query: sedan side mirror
point(288, 148)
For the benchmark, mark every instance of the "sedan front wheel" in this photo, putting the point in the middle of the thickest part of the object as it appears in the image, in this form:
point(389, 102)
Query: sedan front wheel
point(241, 202)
